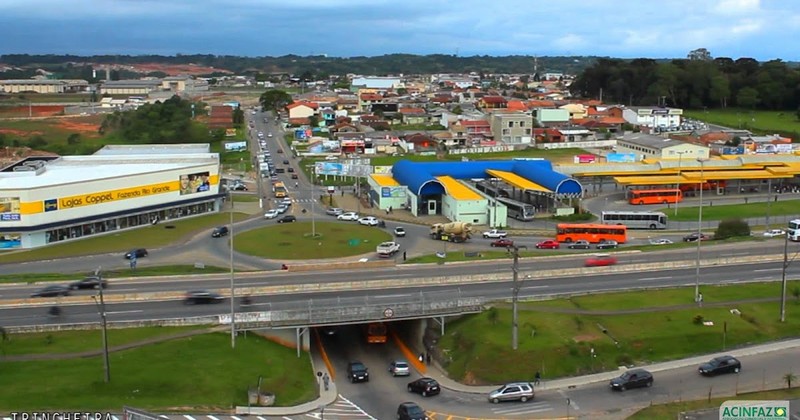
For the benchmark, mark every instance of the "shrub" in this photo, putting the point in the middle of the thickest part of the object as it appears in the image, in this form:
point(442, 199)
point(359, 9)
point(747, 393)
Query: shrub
point(697, 320)
point(732, 228)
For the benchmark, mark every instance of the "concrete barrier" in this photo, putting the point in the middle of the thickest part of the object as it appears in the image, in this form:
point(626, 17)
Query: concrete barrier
point(341, 265)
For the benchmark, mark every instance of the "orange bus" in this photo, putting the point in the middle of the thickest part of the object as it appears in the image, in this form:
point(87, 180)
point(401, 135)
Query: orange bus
point(594, 233)
point(376, 332)
point(660, 196)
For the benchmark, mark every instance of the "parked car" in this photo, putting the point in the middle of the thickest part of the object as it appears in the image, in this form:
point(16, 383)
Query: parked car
point(357, 372)
point(548, 244)
point(634, 378)
point(350, 215)
point(90, 282)
point(520, 391)
point(607, 244)
point(54, 290)
point(219, 232)
point(502, 243)
point(282, 208)
point(399, 231)
point(280, 150)
point(136, 253)
point(271, 214)
point(580, 244)
point(368, 221)
point(719, 365)
point(202, 296)
point(411, 411)
point(495, 234)
point(660, 241)
point(287, 219)
point(772, 233)
point(694, 236)
point(239, 187)
point(399, 368)
point(425, 387)
point(334, 211)
point(600, 261)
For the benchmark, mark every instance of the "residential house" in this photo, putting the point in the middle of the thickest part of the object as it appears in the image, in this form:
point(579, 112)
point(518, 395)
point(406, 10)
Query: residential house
point(302, 109)
point(413, 116)
point(511, 127)
point(547, 135)
point(423, 142)
point(374, 121)
point(647, 146)
point(516, 105)
point(576, 111)
point(492, 102)
point(478, 132)
point(551, 117)
point(366, 100)
point(655, 117)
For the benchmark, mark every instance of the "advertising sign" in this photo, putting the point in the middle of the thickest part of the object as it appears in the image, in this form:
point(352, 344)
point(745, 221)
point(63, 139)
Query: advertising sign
point(621, 157)
point(235, 146)
point(10, 240)
point(9, 209)
point(393, 192)
point(195, 183)
point(733, 150)
point(329, 168)
point(585, 159)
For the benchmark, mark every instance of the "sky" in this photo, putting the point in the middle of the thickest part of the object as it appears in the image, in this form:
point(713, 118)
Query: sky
point(760, 29)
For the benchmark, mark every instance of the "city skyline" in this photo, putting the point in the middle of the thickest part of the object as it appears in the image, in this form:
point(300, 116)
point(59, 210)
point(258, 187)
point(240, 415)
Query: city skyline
point(757, 29)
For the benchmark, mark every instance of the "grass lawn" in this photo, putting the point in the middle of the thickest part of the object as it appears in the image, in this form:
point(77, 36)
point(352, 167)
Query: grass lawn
point(62, 342)
point(163, 270)
point(244, 198)
point(489, 254)
point(201, 372)
point(146, 237)
point(56, 130)
point(293, 241)
point(722, 212)
point(671, 411)
point(763, 121)
point(558, 344)
point(24, 99)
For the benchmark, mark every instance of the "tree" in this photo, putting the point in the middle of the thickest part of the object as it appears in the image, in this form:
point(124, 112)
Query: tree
point(731, 228)
point(73, 139)
point(313, 121)
point(699, 54)
point(747, 98)
point(458, 111)
point(274, 100)
point(238, 116)
point(720, 90)
point(789, 378)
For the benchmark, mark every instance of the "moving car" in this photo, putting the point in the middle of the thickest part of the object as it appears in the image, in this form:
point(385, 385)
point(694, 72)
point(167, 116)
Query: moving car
point(694, 236)
point(285, 162)
point(90, 282)
point(772, 233)
point(202, 296)
point(607, 244)
point(282, 208)
point(502, 243)
point(271, 214)
point(294, 176)
point(660, 241)
point(580, 244)
point(136, 253)
point(239, 187)
point(219, 232)
point(350, 215)
point(411, 411)
point(287, 201)
point(400, 231)
point(290, 169)
point(634, 378)
point(357, 372)
point(399, 368)
point(334, 211)
point(719, 365)
point(54, 290)
point(600, 261)
point(287, 219)
point(520, 391)
point(548, 244)
point(495, 234)
point(368, 221)
point(425, 387)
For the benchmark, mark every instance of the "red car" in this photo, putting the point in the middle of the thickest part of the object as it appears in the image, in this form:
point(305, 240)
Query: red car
point(600, 261)
point(502, 243)
point(548, 244)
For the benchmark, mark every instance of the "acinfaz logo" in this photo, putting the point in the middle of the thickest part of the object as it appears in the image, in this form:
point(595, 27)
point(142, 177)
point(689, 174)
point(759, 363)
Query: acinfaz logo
point(754, 410)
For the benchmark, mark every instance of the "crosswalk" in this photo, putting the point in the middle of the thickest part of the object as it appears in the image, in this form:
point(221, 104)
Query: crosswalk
point(521, 409)
point(298, 200)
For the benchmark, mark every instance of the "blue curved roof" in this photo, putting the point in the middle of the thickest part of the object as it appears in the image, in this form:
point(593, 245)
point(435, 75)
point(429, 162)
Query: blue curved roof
point(420, 177)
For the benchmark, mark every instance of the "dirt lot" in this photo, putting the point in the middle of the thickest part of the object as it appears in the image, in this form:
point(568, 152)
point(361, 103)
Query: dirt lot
point(35, 111)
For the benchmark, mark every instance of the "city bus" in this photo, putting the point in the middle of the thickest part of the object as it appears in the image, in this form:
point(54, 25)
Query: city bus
point(280, 190)
point(794, 230)
point(659, 196)
point(520, 211)
point(376, 332)
point(594, 233)
point(635, 219)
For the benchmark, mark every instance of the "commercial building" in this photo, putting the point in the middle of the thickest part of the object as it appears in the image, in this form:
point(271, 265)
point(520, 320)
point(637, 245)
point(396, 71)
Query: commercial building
point(511, 127)
point(646, 146)
point(51, 200)
point(44, 86)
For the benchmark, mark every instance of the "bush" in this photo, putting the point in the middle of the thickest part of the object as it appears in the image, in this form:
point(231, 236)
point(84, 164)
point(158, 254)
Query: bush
point(697, 320)
point(732, 228)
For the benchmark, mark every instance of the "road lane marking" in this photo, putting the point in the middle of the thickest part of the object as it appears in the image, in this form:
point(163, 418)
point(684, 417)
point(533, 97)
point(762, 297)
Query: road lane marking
point(126, 290)
point(655, 278)
point(188, 417)
point(397, 295)
point(235, 418)
point(767, 269)
point(132, 311)
point(571, 401)
point(763, 278)
point(211, 417)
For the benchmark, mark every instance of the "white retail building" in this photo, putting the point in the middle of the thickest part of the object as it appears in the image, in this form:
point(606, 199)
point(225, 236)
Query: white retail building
point(47, 200)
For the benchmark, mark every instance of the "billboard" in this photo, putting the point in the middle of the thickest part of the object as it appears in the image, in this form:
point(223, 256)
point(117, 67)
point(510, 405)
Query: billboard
point(10, 240)
point(329, 168)
point(585, 159)
point(621, 157)
point(739, 150)
point(195, 183)
point(393, 192)
point(9, 209)
point(235, 146)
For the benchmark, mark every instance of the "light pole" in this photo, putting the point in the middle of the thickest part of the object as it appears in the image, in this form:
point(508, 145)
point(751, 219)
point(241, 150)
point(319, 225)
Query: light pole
point(514, 250)
point(699, 233)
point(102, 309)
point(233, 291)
point(313, 216)
point(678, 192)
point(769, 201)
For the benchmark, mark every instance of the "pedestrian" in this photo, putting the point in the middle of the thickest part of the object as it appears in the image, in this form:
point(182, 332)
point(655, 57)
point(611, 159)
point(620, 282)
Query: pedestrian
point(428, 358)
point(700, 299)
point(326, 380)
point(342, 192)
point(404, 255)
point(390, 209)
point(537, 378)
point(421, 358)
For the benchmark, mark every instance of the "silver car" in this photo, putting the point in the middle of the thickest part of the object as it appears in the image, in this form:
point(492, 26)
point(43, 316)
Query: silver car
point(334, 211)
point(399, 368)
point(520, 391)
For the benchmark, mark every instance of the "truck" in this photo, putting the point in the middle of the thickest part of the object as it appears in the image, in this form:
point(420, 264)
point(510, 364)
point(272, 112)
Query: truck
point(495, 234)
point(451, 232)
point(387, 249)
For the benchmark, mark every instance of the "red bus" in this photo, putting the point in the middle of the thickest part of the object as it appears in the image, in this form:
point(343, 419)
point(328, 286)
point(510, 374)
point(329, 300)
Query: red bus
point(594, 233)
point(660, 196)
point(376, 332)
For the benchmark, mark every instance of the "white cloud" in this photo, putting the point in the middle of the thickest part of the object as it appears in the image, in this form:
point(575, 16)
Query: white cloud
point(737, 7)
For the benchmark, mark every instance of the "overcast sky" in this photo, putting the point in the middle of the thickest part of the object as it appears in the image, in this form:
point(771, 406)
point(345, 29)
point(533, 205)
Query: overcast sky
point(761, 29)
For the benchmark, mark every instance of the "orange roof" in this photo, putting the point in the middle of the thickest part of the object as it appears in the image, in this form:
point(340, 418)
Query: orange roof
point(494, 99)
point(518, 105)
point(541, 104)
point(612, 120)
point(412, 111)
point(312, 105)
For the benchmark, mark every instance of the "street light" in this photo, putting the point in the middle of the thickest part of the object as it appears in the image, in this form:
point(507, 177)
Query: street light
point(233, 292)
point(102, 309)
point(699, 233)
point(678, 191)
point(514, 250)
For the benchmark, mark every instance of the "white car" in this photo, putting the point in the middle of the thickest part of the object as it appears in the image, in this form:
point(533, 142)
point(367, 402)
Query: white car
point(282, 209)
point(350, 215)
point(334, 211)
point(661, 241)
point(772, 233)
point(271, 214)
point(286, 201)
point(331, 157)
point(369, 221)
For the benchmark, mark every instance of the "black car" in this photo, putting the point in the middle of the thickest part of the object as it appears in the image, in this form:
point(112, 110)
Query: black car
point(609, 244)
point(634, 378)
point(287, 219)
point(90, 282)
point(719, 365)
point(695, 236)
point(239, 187)
point(53, 290)
point(581, 244)
point(410, 411)
point(357, 372)
point(285, 162)
point(425, 387)
point(294, 176)
point(202, 296)
point(219, 232)
point(137, 253)
point(290, 169)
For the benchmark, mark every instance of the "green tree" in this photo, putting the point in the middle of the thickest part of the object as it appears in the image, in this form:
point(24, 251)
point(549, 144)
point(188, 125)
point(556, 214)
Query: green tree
point(238, 116)
point(720, 90)
point(313, 121)
point(458, 111)
point(731, 228)
point(274, 100)
point(74, 139)
point(747, 98)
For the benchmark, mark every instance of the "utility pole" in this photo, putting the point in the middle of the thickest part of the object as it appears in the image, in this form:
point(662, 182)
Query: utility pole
point(514, 250)
point(783, 276)
point(769, 201)
point(233, 291)
point(106, 364)
point(699, 233)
